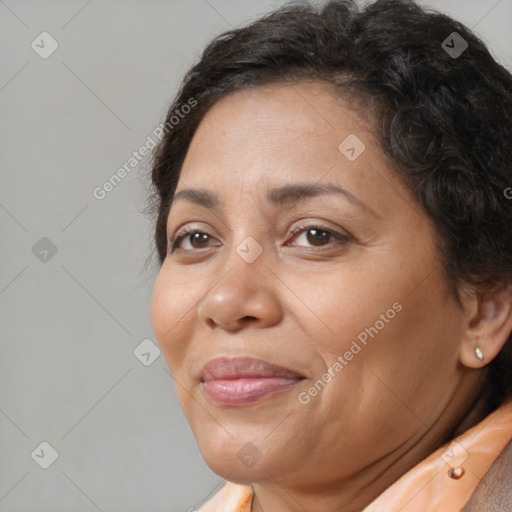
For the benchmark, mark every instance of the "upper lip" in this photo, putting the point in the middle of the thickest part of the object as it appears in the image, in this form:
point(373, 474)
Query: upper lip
point(239, 367)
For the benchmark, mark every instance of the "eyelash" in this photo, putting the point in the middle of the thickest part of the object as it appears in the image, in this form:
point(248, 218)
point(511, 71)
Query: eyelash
point(341, 238)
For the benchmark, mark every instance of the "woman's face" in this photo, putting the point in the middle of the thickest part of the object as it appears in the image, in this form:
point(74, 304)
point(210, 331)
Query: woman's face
point(304, 251)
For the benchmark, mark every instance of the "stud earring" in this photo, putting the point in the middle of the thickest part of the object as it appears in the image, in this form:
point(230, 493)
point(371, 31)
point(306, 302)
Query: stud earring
point(479, 354)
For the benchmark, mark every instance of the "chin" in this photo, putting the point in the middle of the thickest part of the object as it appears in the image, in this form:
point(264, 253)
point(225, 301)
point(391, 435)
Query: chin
point(236, 458)
point(232, 468)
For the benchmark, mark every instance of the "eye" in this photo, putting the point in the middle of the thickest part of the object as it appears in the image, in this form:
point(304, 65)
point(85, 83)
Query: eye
point(197, 239)
point(319, 236)
point(316, 235)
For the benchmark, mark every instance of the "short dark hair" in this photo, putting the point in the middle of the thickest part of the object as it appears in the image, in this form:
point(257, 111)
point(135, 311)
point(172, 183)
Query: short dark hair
point(443, 118)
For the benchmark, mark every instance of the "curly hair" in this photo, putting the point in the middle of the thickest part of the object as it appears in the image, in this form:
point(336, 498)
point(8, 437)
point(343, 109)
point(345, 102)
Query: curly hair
point(444, 119)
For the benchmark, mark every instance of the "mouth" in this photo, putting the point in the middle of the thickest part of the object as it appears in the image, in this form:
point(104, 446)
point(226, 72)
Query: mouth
point(241, 381)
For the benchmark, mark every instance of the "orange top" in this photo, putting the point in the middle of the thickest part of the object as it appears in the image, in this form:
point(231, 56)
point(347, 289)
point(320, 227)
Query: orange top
point(442, 482)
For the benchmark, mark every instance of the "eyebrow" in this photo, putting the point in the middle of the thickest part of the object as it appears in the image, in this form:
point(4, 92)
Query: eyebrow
point(281, 196)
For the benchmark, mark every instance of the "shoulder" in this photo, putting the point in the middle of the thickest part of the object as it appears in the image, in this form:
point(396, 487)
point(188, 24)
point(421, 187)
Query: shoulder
point(230, 498)
point(494, 493)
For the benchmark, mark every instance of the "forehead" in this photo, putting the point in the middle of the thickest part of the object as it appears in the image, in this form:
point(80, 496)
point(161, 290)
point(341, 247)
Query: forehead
point(273, 127)
point(266, 137)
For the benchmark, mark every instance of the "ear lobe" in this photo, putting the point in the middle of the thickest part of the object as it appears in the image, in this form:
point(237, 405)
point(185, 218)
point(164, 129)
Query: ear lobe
point(488, 329)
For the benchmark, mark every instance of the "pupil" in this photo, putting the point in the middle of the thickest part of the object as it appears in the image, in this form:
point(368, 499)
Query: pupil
point(316, 237)
point(196, 237)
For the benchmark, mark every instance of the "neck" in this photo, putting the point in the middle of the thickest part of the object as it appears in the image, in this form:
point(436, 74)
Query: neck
point(474, 415)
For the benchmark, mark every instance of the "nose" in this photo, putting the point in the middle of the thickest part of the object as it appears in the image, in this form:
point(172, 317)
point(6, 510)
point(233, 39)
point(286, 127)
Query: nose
point(247, 294)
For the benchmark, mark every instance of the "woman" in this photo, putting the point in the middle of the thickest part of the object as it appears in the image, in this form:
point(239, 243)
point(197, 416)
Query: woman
point(333, 228)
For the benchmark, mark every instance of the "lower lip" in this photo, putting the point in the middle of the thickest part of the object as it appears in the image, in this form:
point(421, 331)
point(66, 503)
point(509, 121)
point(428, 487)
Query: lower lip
point(245, 391)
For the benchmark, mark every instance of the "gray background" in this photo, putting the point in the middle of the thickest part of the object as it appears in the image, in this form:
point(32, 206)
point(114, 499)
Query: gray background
point(70, 321)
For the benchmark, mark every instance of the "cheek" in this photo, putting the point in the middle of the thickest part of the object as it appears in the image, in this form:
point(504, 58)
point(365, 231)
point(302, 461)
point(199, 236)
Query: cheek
point(384, 314)
point(348, 300)
point(387, 367)
point(171, 311)
point(393, 339)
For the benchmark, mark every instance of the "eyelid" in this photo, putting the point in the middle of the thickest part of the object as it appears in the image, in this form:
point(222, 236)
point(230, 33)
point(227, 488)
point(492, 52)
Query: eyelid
point(182, 233)
point(340, 237)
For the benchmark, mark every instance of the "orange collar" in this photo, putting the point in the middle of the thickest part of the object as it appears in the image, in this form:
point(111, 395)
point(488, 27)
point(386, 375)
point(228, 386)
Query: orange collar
point(445, 480)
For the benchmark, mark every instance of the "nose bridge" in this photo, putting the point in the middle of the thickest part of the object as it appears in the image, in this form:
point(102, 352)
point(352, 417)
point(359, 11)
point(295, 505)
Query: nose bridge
point(243, 289)
point(244, 271)
point(246, 245)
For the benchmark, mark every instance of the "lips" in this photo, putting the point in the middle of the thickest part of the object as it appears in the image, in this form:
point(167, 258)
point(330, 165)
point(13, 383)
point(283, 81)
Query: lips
point(242, 380)
point(239, 367)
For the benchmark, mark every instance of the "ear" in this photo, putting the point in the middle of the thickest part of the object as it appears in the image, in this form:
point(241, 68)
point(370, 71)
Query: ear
point(488, 326)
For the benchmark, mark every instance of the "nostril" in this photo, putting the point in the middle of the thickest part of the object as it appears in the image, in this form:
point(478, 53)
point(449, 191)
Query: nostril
point(210, 323)
point(250, 321)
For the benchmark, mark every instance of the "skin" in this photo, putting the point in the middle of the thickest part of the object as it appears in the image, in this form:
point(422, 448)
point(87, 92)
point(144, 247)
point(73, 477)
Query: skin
point(304, 300)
